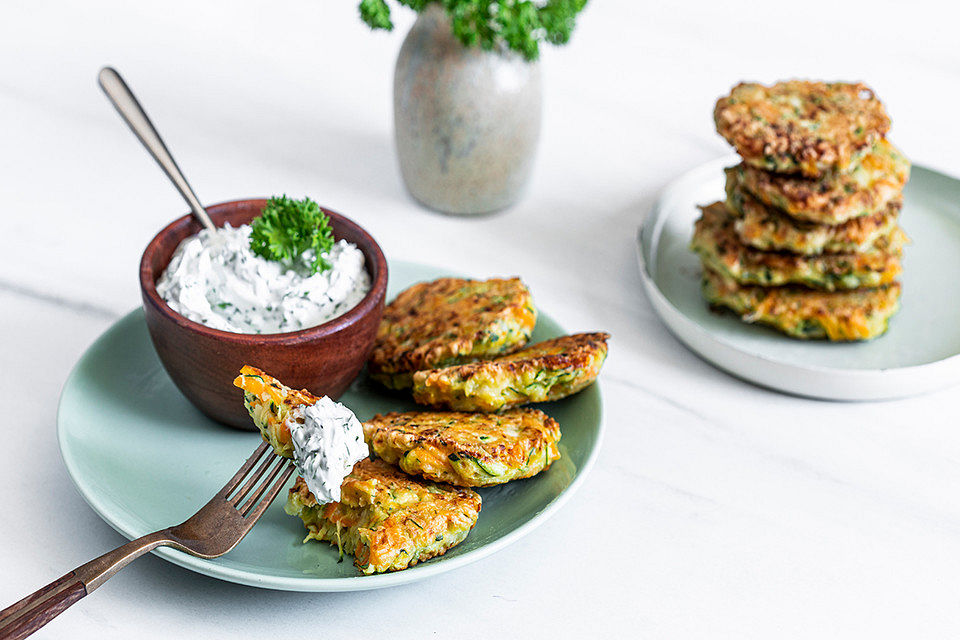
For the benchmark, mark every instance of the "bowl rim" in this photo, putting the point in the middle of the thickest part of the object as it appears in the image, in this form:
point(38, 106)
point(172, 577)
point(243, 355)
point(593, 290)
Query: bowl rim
point(367, 304)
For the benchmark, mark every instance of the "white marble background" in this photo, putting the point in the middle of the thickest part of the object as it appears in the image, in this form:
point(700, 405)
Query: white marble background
point(716, 509)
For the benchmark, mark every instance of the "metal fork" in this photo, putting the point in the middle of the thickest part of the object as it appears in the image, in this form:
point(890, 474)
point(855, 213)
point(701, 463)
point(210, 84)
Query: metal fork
point(211, 532)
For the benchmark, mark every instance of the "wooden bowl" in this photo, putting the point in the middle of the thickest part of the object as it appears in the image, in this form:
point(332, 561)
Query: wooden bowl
point(203, 362)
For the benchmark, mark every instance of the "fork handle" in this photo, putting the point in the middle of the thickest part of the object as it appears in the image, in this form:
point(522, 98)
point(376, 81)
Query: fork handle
point(136, 118)
point(21, 619)
point(40, 607)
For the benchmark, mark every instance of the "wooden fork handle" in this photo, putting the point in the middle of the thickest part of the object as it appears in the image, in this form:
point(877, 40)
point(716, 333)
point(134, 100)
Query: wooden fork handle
point(40, 607)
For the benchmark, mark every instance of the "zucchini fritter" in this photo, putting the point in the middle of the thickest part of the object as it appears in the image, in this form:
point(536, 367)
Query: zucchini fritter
point(800, 126)
point(548, 370)
point(834, 199)
point(716, 241)
point(767, 229)
point(269, 403)
point(387, 520)
point(450, 321)
point(466, 449)
point(807, 314)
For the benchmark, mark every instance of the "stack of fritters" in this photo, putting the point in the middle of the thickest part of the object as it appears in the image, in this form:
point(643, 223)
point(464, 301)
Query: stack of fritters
point(807, 240)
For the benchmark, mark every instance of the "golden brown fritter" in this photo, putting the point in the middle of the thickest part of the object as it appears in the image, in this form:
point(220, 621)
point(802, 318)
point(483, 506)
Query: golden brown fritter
point(548, 370)
point(450, 321)
point(765, 228)
point(833, 199)
point(716, 242)
point(387, 520)
point(800, 126)
point(269, 403)
point(804, 313)
point(466, 449)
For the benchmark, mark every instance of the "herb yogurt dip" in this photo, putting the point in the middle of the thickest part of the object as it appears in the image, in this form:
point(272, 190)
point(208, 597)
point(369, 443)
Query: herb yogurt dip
point(214, 278)
point(327, 442)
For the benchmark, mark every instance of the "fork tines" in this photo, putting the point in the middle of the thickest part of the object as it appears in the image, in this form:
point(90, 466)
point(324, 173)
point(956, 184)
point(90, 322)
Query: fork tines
point(269, 477)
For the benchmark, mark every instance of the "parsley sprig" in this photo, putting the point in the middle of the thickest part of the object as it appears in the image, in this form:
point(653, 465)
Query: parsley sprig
point(521, 25)
point(287, 228)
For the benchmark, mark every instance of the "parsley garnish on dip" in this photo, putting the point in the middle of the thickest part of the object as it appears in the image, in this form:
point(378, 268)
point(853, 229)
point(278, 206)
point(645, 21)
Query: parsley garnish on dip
point(283, 272)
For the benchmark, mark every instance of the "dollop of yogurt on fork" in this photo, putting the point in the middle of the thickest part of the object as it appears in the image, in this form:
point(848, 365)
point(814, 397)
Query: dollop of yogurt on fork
point(327, 441)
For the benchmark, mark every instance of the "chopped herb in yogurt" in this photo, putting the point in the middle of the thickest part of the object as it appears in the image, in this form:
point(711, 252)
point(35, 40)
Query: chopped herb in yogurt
point(327, 441)
point(283, 272)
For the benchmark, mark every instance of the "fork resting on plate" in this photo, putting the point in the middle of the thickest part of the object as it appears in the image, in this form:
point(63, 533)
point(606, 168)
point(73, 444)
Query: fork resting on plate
point(211, 532)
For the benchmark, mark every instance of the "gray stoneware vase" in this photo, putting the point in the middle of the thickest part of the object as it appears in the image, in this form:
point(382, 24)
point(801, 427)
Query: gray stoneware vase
point(467, 121)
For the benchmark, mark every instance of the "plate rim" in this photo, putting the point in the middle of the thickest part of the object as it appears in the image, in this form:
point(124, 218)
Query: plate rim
point(311, 584)
point(736, 360)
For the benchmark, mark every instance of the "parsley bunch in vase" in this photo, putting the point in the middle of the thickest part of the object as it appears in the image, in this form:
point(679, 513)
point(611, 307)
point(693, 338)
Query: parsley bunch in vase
point(467, 96)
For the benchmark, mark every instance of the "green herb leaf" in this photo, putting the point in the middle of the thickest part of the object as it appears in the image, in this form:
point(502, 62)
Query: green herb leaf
point(519, 25)
point(287, 228)
point(376, 13)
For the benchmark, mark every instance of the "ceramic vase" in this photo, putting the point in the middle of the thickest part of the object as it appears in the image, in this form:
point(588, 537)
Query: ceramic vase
point(466, 120)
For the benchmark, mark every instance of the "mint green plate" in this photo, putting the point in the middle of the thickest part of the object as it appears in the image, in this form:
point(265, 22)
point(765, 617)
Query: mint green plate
point(144, 458)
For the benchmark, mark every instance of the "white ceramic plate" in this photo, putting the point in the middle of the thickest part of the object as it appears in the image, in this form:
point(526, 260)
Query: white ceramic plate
point(919, 353)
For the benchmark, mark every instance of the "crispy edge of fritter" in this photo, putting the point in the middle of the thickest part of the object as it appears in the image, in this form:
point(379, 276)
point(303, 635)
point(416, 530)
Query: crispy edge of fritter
point(549, 370)
point(806, 314)
point(719, 248)
point(404, 533)
point(848, 120)
point(448, 446)
point(767, 229)
point(830, 200)
point(456, 336)
point(269, 402)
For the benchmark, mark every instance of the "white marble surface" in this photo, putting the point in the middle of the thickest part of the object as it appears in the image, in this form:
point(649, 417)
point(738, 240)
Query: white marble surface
point(716, 509)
